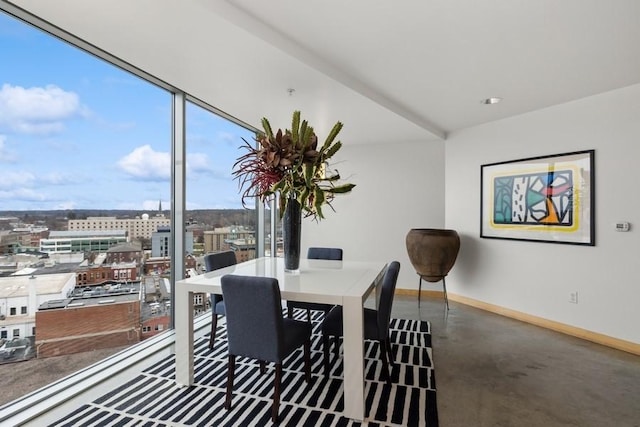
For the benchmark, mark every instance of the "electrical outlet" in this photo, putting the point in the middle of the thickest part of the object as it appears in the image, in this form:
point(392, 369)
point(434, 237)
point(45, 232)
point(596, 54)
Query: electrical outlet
point(573, 297)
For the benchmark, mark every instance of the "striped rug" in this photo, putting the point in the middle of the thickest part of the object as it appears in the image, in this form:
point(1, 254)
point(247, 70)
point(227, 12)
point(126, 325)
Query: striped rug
point(154, 399)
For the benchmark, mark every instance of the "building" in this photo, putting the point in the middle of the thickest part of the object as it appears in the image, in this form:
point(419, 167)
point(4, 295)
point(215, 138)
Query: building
point(126, 252)
point(20, 297)
point(11, 242)
point(161, 242)
point(245, 249)
point(138, 227)
point(162, 265)
point(73, 325)
point(122, 272)
point(82, 241)
point(219, 239)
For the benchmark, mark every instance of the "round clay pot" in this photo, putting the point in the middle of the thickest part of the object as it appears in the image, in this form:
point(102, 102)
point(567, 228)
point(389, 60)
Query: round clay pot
point(432, 251)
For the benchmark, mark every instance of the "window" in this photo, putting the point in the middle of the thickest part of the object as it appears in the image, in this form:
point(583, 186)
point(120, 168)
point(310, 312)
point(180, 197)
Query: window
point(120, 118)
point(16, 333)
point(3, 334)
point(23, 310)
point(146, 329)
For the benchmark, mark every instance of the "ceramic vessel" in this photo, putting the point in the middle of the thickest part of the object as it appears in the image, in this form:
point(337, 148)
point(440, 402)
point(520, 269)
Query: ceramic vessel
point(432, 251)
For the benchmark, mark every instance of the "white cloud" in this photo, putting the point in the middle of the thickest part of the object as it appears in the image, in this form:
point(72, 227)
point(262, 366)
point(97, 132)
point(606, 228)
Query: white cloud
point(57, 178)
point(21, 181)
point(5, 155)
point(22, 194)
point(227, 137)
point(68, 205)
point(145, 164)
point(37, 110)
point(12, 180)
point(198, 162)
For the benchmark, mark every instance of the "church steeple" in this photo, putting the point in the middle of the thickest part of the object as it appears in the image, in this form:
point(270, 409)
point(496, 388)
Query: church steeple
point(159, 206)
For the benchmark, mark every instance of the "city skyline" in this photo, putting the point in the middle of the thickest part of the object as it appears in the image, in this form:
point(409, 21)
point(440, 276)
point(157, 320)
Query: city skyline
point(79, 133)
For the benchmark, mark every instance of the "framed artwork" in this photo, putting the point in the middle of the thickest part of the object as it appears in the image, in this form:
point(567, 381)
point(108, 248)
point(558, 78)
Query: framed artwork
point(542, 199)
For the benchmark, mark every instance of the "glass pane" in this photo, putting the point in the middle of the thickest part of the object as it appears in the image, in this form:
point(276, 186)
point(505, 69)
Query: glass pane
point(85, 160)
point(216, 218)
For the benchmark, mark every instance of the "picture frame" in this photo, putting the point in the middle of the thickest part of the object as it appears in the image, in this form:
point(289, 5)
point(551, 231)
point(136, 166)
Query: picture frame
point(547, 199)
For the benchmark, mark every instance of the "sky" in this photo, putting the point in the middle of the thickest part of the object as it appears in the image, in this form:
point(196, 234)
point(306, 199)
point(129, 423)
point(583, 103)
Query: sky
point(79, 133)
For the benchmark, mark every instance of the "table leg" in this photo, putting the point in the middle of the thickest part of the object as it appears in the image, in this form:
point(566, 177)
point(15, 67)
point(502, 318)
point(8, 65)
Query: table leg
point(353, 344)
point(184, 337)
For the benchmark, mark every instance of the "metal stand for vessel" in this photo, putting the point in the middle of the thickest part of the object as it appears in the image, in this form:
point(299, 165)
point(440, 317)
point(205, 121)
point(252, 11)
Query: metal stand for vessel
point(444, 287)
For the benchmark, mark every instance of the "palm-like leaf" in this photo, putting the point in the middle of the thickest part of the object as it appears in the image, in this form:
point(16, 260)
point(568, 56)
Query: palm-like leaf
point(289, 163)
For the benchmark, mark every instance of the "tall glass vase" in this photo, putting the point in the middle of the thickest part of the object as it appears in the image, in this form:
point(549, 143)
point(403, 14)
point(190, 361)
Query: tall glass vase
point(291, 233)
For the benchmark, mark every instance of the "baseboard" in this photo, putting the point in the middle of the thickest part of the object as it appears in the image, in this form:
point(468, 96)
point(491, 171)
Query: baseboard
point(618, 344)
point(414, 293)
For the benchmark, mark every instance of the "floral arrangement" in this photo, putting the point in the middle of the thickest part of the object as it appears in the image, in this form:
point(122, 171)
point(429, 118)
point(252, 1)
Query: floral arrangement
point(290, 163)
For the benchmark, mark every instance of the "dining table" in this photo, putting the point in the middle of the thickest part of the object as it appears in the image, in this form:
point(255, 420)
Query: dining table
point(345, 283)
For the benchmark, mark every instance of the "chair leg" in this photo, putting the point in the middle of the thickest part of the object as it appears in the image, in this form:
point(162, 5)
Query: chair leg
point(230, 373)
point(307, 361)
point(214, 326)
point(308, 316)
point(444, 287)
point(325, 350)
point(263, 366)
point(336, 348)
point(389, 350)
point(419, 289)
point(385, 364)
point(276, 393)
point(290, 312)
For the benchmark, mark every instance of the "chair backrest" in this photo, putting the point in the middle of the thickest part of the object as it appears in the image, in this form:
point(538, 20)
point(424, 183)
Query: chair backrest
point(333, 254)
point(215, 261)
point(387, 292)
point(254, 317)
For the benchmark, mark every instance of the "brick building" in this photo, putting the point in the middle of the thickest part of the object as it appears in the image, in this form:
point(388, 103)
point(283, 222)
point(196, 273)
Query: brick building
point(78, 325)
point(126, 252)
point(100, 274)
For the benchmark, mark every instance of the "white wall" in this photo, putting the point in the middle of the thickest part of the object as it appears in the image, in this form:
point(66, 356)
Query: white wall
point(399, 186)
point(537, 278)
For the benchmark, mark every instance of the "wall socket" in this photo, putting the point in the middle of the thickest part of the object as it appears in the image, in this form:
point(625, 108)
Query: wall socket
point(573, 297)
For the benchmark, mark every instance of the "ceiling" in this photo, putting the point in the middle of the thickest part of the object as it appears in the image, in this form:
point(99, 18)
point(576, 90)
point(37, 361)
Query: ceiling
point(415, 70)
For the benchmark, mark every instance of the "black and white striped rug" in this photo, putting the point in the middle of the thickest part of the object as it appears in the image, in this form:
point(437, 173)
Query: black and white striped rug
point(154, 399)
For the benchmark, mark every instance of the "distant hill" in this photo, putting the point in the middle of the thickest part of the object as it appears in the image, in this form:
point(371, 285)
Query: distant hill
point(207, 218)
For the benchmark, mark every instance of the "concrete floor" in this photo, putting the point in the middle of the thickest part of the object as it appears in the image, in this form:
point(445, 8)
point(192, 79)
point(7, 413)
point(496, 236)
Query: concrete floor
point(494, 371)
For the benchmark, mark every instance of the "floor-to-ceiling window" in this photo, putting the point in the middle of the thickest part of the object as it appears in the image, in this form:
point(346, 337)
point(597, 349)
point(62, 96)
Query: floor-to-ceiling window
point(85, 153)
point(216, 219)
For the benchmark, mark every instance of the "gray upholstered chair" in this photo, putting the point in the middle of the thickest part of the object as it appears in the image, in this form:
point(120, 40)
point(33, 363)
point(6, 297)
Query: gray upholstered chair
point(257, 329)
point(333, 254)
point(376, 322)
point(215, 261)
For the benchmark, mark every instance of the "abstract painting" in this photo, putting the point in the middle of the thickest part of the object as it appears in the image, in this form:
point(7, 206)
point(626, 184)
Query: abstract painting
point(545, 198)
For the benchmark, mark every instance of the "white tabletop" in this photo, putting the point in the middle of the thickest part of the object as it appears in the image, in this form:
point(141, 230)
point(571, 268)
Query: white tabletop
point(317, 281)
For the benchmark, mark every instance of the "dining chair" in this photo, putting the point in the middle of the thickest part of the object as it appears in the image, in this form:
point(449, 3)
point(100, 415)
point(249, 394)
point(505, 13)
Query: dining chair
point(376, 322)
point(215, 261)
point(257, 329)
point(332, 254)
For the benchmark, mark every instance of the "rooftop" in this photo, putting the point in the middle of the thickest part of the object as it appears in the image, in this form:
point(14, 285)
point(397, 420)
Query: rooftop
point(86, 233)
point(18, 286)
